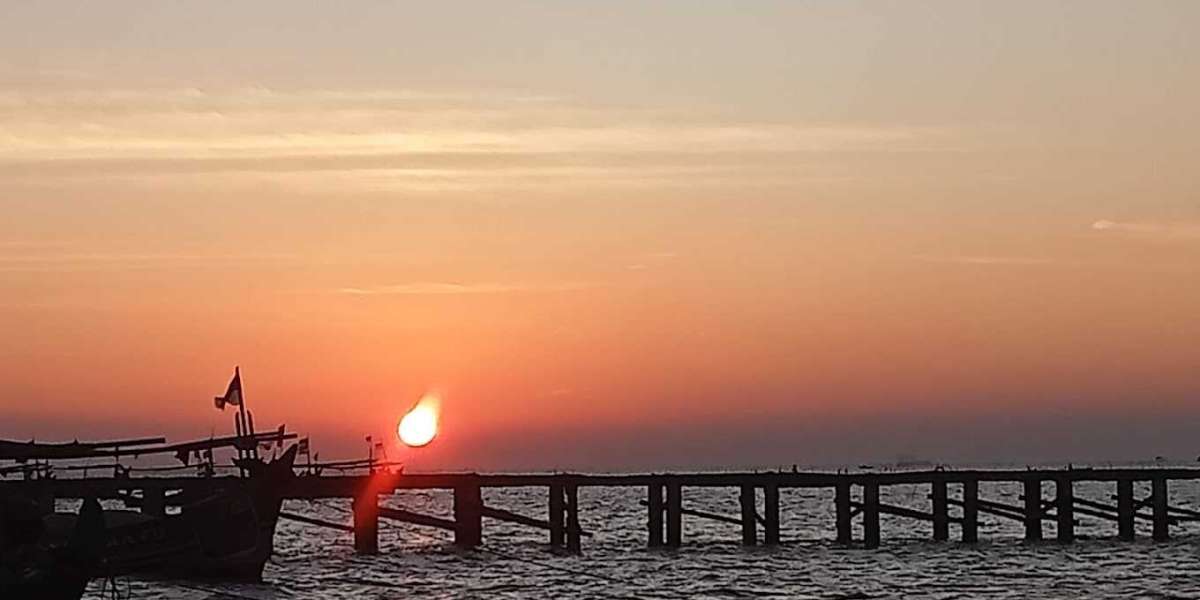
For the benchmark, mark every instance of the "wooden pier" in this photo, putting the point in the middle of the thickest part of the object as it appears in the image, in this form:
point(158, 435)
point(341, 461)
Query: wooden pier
point(955, 499)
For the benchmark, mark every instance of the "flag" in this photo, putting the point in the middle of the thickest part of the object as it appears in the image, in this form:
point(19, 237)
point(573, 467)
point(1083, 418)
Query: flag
point(233, 394)
point(302, 447)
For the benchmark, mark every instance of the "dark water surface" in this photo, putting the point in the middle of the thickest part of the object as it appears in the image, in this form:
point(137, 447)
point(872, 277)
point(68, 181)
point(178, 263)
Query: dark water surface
point(416, 562)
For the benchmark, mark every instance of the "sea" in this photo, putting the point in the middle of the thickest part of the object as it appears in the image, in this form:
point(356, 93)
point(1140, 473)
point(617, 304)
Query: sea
point(516, 561)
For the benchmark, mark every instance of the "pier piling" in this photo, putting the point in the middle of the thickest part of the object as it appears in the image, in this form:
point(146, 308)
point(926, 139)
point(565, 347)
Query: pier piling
point(1125, 509)
point(573, 529)
point(1064, 508)
point(1033, 509)
point(468, 516)
point(366, 523)
point(941, 511)
point(654, 518)
point(674, 514)
point(970, 510)
point(748, 500)
point(556, 514)
point(841, 500)
point(1159, 498)
point(871, 514)
point(771, 516)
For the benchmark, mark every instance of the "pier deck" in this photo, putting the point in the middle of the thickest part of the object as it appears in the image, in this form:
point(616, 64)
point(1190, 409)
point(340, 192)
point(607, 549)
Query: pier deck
point(666, 493)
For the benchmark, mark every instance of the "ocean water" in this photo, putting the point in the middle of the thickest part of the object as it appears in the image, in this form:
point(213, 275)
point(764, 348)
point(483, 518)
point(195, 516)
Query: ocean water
point(515, 561)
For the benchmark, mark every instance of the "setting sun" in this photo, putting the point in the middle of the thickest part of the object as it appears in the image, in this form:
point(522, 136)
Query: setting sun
point(420, 425)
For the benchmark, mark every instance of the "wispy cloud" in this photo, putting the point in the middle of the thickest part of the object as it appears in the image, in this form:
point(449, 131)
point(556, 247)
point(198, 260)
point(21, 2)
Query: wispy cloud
point(988, 260)
point(443, 288)
point(110, 261)
point(1150, 229)
point(425, 138)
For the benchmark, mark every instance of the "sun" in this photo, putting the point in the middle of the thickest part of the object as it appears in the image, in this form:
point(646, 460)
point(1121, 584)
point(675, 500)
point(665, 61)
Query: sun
point(420, 425)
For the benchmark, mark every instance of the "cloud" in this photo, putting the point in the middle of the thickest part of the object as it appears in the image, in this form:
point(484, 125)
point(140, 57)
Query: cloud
point(1160, 230)
point(987, 260)
point(401, 139)
point(453, 289)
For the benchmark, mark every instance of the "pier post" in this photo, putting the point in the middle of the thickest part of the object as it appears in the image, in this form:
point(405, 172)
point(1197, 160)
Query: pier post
point(970, 511)
point(841, 500)
point(1125, 509)
point(941, 511)
point(674, 514)
point(871, 514)
point(154, 501)
point(771, 518)
point(573, 529)
point(1065, 507)
point(468, 516)
point(749, 515)
point(366, 522)
point(1158, 491)
point(655, 516)
point(557, 512)
point(1033, 510)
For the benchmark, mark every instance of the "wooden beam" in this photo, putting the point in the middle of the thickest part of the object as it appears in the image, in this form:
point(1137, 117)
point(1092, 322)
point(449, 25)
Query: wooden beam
point(407, 516)
point(318, 522)
point(503, 515)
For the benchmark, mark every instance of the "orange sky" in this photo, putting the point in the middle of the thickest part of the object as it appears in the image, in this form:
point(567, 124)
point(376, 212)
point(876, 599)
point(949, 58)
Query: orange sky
point(610, 236)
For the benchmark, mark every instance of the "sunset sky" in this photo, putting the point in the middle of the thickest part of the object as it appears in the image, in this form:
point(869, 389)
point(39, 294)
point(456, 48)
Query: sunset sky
point(615, 235)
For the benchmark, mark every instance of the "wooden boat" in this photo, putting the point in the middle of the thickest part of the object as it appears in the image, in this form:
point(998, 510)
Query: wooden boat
point(225, 532)
point(30, 570)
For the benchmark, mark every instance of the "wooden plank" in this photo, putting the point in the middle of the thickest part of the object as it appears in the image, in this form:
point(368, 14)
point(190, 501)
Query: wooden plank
point(397, 514)
point(503, 515)
point(318, 522)
point(691, 512)
point(991, 508)
point(910, 513)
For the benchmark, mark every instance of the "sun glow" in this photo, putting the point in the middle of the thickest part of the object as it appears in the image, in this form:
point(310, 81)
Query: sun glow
point(420, 425)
